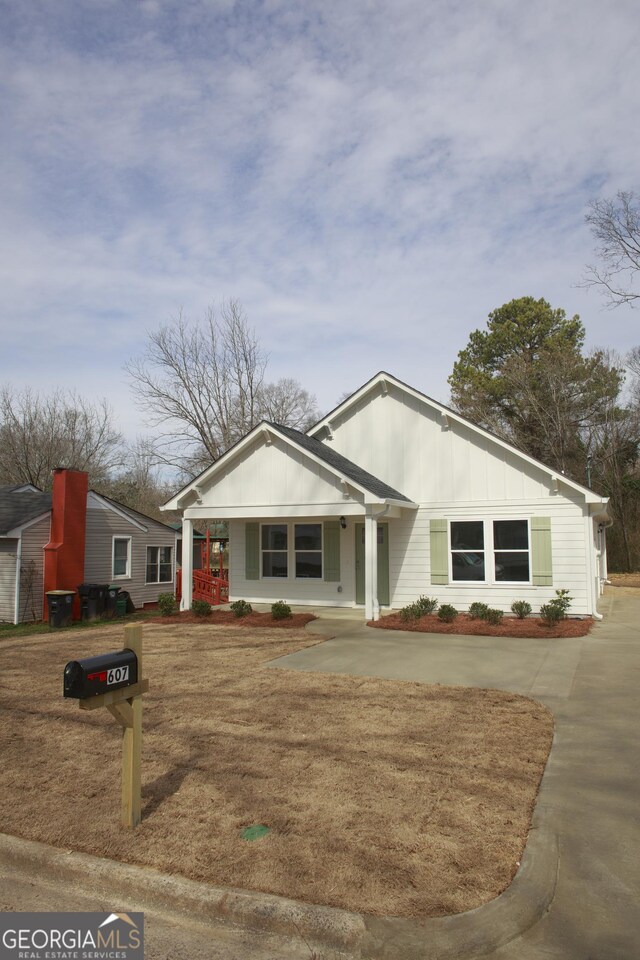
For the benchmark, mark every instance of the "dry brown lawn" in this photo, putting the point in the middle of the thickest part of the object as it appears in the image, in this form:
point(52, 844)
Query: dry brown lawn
point(384, 797)
point(625, 579)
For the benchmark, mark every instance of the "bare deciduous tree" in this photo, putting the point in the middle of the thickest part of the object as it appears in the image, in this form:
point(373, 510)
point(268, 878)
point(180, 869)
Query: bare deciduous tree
point(203, 383)
point(39, 433)
point(615, 224)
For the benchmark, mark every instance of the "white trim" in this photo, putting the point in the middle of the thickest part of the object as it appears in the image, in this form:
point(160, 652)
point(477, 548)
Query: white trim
point(17, 531)
point(120, 576)
point(285, 511)
point(92, 496)
point(156, 546)
point(489, 553)
point(452, 417)
point(291, 550)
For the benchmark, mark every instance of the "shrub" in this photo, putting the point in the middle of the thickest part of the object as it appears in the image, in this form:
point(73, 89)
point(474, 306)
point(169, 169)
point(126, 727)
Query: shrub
point(447, 613)
point(556, 609)
point(280, 610)
point(562, 601)
point(426, 605)
point(493, 616)
point(477, 610)
point(241, 608)
point(521, 609)
point(167, 604)
point(201, 608)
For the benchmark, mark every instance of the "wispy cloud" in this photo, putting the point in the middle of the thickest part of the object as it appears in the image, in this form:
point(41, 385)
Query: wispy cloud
point(369, 179)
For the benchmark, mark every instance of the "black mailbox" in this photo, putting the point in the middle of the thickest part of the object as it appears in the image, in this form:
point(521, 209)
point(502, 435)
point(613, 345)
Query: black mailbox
point(95, 675)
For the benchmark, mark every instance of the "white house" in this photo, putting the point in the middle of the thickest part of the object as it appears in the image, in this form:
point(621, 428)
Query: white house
point(390, 496)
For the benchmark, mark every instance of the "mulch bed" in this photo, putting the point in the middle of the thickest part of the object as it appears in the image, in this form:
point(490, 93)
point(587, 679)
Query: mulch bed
point(226, 618)
point(463, 624)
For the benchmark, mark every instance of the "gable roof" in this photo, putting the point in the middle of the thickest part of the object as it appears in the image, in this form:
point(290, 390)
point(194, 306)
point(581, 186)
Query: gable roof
point(19, 505)
point(340, 466)
point(140, 519)
point(382, 378)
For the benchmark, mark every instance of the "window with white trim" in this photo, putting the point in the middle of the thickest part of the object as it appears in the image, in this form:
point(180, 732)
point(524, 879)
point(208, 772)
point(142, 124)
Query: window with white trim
point(490, 551)
point(275, 550)
point(121, 558)
point(159, 565)
point(308, 551)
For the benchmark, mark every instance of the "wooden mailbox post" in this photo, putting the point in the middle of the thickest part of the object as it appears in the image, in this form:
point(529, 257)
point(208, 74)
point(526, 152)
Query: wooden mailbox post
point(125, 704)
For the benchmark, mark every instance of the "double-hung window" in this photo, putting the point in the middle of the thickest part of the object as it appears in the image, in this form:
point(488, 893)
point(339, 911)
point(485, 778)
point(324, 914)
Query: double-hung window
point(467, 550)
point(490, 551)
point(275, 550)
point(121, 565)
point(511, 550)
point(159, 565)
point(308, 550)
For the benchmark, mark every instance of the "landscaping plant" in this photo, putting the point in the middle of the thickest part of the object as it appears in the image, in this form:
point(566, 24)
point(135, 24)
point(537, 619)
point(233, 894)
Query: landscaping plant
point(201, 608)
point(280, 610)
point(241, 608)
point(420, 608)
point(478, 611)
point(493, 616)
point(521, 609)
point(167, 604)
point(556, 609)
point(447, 613)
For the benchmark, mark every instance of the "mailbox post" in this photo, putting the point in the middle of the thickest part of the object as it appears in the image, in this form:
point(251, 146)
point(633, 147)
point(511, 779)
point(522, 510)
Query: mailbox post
point(115, 681)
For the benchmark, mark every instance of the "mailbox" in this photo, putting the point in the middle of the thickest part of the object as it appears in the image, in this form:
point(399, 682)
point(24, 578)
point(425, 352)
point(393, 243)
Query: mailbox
point(94, 675)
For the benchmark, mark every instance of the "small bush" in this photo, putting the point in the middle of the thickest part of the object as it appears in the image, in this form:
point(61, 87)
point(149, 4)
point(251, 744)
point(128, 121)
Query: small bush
point(550, 614)
point(562, 601)
point(521, 609)
point(447, 613)
point(201, 608)
point(167, 604)
point(493, 616)
point(477, 610)
point(241, 608)
point(280, 610)
point(426, 605)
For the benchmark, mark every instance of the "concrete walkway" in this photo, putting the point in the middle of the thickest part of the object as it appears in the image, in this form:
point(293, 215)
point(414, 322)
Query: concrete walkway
point(591, 787)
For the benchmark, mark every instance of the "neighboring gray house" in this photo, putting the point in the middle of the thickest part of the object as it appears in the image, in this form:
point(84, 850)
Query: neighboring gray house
point(106, 542)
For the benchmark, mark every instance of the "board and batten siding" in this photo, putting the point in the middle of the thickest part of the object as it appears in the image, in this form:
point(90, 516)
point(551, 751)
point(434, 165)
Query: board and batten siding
point(306, 591)
point(102, 526)
point(34, 539)
point(8, 553)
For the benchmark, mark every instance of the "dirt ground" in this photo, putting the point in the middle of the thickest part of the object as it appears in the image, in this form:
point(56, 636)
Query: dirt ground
point(625, 579)
point(510, 626)
point(227, 617)
point(384, 797)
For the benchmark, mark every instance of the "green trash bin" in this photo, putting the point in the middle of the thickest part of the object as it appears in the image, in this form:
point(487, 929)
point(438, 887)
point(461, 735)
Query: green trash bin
point(121, 606)
point(60, 606)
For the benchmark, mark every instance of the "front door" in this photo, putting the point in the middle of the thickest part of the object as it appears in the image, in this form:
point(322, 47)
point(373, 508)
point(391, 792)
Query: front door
point(383, 563)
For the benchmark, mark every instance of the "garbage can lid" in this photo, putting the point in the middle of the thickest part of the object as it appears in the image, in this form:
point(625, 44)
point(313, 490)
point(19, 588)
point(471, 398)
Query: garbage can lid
point(60, 593)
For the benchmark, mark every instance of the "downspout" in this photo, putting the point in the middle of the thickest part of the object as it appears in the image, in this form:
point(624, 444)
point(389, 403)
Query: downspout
point(16, 615)
point(590, 571)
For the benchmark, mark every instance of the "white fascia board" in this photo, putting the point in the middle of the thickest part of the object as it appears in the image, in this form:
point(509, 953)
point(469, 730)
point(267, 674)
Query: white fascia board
point(96, 498)
point(337, 509)
point(453, 417)
point(17, 531)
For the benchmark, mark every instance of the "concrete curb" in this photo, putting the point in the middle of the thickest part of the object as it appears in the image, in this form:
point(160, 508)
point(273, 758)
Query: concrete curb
point(465, 935)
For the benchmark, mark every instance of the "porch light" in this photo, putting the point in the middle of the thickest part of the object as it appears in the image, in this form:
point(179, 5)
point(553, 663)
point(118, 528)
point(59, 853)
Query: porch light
point(343, 523)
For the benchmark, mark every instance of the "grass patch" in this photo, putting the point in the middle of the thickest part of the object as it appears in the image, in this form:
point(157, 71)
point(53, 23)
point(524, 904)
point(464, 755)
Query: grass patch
point(386, 797)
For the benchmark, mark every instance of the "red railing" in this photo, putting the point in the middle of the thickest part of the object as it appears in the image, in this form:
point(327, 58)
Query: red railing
point(214, 590)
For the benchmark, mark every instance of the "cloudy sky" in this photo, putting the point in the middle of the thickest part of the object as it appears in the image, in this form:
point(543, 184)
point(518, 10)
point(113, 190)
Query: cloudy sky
point(368, 178)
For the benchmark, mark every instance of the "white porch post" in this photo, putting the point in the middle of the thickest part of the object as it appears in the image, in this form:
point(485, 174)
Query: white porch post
point(371, 606)
point(187, 564)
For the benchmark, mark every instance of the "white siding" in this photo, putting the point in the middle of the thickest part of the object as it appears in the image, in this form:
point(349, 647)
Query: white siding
point(33, 540)
point(102, 525)
point(8, 550)
point(291, 590)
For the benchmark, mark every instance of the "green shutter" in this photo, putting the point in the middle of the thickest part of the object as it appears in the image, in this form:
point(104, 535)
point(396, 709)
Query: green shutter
point(332, 550)
point(252, 551)
point(541, 564)
point(439, 552)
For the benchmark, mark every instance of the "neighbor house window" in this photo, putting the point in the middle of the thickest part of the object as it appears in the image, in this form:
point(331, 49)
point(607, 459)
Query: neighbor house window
point(308, 550)
point(121, 557)
point(275, 546)
point(159, 565)
point(511, 550)
point(467, 550)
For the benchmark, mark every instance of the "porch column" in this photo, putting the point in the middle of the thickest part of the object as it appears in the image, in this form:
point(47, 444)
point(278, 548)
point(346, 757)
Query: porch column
point(187, 564)
point(371, 605)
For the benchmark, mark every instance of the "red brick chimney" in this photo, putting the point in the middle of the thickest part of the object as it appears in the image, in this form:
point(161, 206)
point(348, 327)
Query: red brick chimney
point(64, 554)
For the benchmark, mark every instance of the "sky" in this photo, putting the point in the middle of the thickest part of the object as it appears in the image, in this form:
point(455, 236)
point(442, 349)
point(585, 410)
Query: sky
point(369, 179)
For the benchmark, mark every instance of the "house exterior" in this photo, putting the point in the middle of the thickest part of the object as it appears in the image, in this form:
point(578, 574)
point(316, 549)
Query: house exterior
point(73, 536)
point(391, 496)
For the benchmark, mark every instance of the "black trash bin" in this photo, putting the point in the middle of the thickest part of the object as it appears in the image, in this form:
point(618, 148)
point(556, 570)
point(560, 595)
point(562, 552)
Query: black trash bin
point(60, 605)
point(92, 600)
point(111, 598)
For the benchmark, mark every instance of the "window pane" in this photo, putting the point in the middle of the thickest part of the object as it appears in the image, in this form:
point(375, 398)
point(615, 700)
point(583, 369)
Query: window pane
point(274, 564)
point(512, 566)
point(274, 536)
point(467, 566)
point(152, 573)
point(165, 554)
point(120, 557)
point(510, 535)
point(165, 572)
point(467, 535)
point(308, 536)
point(309, 565)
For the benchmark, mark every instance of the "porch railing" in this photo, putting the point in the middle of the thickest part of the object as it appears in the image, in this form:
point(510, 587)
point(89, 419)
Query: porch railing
point(215, 590)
